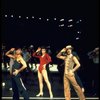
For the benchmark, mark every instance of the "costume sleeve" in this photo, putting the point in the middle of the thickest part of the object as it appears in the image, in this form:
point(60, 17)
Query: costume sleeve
point(48, 59)
point(35, 55)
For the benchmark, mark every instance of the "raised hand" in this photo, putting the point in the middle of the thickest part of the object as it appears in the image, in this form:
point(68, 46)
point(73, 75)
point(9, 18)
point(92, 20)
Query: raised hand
point(38, 49)
point(63, 50)
point(12, 49)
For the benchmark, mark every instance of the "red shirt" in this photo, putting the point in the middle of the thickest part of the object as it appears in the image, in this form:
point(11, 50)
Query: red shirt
point(43, 60)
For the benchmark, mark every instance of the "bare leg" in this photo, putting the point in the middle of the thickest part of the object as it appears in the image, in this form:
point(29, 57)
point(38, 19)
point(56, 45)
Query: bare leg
point(40, 78)
point(45, 76)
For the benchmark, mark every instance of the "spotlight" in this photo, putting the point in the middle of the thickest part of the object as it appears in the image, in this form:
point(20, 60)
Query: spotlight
point(26, 17)
point(78, 32)
point(77, 38)
point(55, 19)
point(80, 20)
point(70, 20)
point(32, 16)
point(70, 25)
point(5, 15)
point(61, 19)
point(19, 16)
point(39, 18)
point(61, 25)
point(11, 15)
point(47, 19)
point(31, 46)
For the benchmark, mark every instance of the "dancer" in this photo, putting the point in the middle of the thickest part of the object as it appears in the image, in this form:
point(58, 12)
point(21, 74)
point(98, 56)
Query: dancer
point(94, 56)
point(42, 73)
point(18, 66)
point(70, 61)
point(76, 75)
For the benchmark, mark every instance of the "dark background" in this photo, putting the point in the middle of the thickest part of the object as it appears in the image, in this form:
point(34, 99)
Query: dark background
point(24, 32)
point(32, 31)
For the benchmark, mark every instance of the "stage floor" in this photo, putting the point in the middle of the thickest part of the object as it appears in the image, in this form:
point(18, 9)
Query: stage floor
point(46, 98)
point(32, 86)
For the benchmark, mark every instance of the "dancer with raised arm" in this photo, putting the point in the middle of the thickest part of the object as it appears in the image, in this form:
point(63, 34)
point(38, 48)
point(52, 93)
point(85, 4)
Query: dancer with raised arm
point(18, 66)
point(42, 72)
point(71, 65)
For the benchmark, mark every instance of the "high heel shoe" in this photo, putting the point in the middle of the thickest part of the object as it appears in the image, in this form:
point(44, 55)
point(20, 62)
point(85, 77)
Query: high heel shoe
point(51, 96)
point(39, 95)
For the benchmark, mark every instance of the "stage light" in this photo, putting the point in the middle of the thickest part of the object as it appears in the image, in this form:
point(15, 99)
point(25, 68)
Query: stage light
point(39, 18)
point(70, 20)
point(47, 19)
point(78, 32)
point(77, 38)
point(32, 16)
point(31, 46)
point(26, 17)
point(61, 19)
point(70, 25)
point(62, 25)
point(5, 15)
point(19, 16)
point(55, 19)
point(12, 16)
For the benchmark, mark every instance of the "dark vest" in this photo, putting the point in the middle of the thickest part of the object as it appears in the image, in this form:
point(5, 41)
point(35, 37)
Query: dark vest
point(16, 65)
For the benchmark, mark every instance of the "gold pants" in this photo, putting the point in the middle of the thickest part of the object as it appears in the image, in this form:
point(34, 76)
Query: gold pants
point(71, 78)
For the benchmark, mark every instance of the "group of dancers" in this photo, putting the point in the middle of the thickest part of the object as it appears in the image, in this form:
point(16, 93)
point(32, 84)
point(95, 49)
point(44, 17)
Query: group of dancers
point(71, 65)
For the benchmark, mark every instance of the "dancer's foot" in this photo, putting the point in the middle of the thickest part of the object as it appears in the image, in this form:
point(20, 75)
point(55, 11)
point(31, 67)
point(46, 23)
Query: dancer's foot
point(39, 95)
point(51, 95)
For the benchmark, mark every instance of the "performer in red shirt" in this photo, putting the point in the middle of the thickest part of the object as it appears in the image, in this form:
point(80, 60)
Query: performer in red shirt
point(42, 73)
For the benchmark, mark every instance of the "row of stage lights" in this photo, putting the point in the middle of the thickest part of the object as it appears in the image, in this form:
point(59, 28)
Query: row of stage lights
point(70, 21)
point(47, 19)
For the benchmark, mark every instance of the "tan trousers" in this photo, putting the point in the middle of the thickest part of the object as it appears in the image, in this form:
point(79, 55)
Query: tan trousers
point(70, 78)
